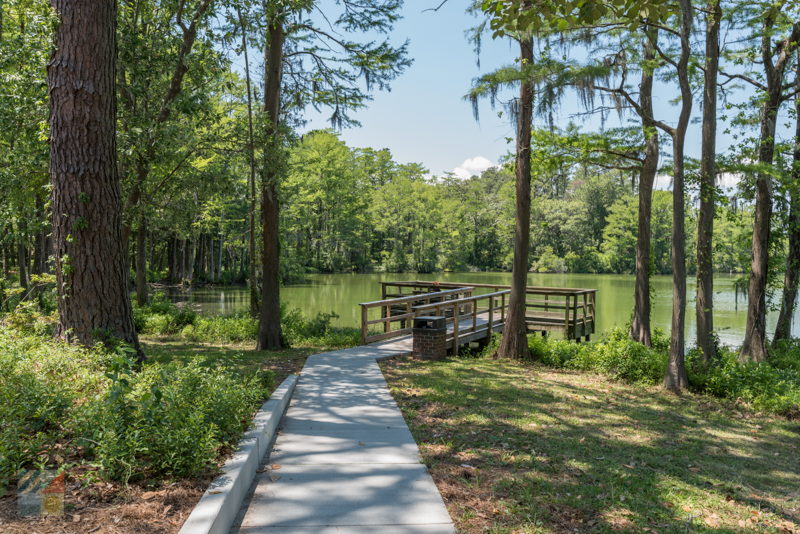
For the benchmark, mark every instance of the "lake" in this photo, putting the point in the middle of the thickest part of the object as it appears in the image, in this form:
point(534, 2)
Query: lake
point(341, 293)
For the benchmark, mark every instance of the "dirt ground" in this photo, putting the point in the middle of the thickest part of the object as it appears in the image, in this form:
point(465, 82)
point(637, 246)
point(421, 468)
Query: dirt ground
point(105, 508)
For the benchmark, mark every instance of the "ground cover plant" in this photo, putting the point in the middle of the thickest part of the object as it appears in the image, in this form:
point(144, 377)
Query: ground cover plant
point(134, 443)
point(772, 386)
point(519, 447)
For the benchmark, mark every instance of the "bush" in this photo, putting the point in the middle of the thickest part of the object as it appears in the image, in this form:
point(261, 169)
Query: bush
point(162, 317)
point(224, 329)
point(618, 356)
point(769, 386)
point(43, 390)
point(171, 420)
point(785, 354)
point(61, 404)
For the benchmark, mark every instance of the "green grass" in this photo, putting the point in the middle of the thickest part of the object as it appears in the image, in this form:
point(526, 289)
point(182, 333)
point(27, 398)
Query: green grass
point(520, 448)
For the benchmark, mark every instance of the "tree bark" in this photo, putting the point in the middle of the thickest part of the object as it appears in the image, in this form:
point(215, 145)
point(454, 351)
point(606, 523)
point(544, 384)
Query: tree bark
point(676, 378)
point(514, 343)
point(252, 279)
point(90, 260)
point(791, 277)
point(141, 262)
point(754, 347)
point(705, 218)
point(269, 327)
point(640, 323)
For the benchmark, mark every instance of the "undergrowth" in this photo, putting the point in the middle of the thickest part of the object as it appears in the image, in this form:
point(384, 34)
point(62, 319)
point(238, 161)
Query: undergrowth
point(162, 317)
point(772, 386)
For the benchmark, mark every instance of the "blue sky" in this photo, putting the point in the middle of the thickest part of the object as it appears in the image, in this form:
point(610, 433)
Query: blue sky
point(425, 119)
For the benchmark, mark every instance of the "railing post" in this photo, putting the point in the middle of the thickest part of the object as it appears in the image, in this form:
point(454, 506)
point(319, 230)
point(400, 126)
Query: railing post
point(455, 329)
point(475, 316)
point(575, 315)
point(566, 316)
point(490, 328)
point(585, 312)
point(364, 326)
point(503, 308)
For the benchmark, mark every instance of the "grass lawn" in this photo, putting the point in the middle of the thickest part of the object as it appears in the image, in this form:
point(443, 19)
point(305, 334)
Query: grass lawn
point(520, 448)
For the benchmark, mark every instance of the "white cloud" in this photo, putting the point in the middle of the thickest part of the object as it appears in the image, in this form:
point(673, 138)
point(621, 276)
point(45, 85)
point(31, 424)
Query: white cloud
point(472, 166)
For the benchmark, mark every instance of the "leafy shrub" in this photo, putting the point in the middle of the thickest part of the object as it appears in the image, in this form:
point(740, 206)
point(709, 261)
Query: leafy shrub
point(763, 386)
point(225, 329)
point(162, 317)
point(60, 403)
point(785, 354)
point(623, 359)
point(171, 420)
point(617, 356)
point(42, 390)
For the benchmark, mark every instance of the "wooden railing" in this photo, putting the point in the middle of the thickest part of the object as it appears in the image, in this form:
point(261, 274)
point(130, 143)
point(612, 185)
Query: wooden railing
point(571, 310)
point(485, 319)
point(400, 310)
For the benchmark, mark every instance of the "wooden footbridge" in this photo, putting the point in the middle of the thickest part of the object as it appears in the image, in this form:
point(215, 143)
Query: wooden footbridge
point(475, 311)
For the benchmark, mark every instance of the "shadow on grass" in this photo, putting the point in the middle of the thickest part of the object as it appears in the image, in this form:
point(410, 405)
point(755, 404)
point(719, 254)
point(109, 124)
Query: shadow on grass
point(521, 449)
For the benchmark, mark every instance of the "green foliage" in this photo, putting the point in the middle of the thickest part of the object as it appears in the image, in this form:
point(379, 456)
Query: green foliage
point(170, 420)
point(43, 391)
point(60, 404)
point(772, 386)
point(161, 317)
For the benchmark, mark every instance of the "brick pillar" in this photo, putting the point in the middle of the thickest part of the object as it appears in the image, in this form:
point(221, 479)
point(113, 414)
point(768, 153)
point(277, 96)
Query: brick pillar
point(430, 338)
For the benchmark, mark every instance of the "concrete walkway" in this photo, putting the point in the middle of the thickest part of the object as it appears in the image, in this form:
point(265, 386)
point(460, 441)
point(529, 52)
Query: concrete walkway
point(345, 461)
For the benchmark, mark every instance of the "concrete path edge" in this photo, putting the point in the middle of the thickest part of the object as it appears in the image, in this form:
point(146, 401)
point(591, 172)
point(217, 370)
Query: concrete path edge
point(219, 505)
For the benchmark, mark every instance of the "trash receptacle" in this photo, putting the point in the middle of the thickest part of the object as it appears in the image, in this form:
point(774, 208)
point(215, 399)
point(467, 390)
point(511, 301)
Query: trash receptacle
point(430, 338)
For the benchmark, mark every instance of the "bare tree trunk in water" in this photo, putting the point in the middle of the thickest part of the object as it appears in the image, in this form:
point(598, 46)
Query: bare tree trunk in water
point(676, 379)
point(783, 330)
point(514, 343)
point(640, 324)
point(90, 259)
point(705, 218)
point(141, 262)
point(22, 259)
point(269, 326)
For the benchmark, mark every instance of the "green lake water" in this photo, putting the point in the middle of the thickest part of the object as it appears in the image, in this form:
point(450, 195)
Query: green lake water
point(341, 293)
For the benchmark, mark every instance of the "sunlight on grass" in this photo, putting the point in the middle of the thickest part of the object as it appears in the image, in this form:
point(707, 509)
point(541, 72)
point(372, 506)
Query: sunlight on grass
point(524, 449)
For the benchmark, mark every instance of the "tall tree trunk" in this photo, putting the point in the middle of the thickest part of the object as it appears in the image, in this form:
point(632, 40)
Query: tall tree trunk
point(705, 218)
point(141, 262)
point(252, 264)
point(22, 260)
point(754, 347)
point(676, 379)
point(269, 327)
point(514, 343)
point(90, 259)
point(640, 323)
point(791, 277)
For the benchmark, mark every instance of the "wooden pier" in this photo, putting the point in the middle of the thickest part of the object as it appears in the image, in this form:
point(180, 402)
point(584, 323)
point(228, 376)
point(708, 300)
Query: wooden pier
point(475, 311)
